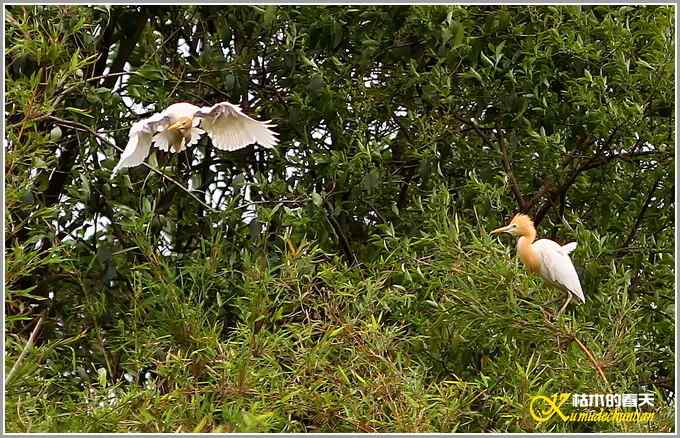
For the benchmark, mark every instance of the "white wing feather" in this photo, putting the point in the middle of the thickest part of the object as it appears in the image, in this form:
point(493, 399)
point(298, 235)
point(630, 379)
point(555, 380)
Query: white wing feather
point(139, 141)
point(230, 129)
point(557, 268)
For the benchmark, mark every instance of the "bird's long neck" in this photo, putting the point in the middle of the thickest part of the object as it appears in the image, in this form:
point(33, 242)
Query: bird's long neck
point(526, 250)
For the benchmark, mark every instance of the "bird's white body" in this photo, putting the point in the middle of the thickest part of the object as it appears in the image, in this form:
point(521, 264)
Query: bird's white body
point(177, 127)
point(181, 109)
point(556, 267)
point(545, 257)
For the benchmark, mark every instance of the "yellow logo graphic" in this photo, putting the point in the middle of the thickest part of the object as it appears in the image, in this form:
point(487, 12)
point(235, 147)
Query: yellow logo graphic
point(543, 408)
point(553, 403)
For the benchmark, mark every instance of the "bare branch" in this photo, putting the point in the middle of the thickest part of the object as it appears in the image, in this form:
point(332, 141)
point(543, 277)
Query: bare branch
point(641, 215)
point(598, 160)
point(592, 359)
point(27, 348)
point(514, 185)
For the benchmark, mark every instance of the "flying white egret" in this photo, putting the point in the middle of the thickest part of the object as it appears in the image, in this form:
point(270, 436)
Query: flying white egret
point(177, 127)
point(545, 257)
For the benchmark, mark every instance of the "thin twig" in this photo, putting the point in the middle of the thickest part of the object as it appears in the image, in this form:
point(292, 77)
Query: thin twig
point(514, 185)
point(592, 359)
point(200, 82)
point(640, 216)
point(478, 129)
point(26, 349)
point(273, 201)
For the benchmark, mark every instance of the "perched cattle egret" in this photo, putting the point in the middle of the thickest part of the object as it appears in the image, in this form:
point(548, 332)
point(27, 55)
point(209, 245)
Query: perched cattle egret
point(545, 257)
point(177, 127)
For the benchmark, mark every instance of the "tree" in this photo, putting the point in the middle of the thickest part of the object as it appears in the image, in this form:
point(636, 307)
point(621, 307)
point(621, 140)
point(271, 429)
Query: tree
point(344, 281)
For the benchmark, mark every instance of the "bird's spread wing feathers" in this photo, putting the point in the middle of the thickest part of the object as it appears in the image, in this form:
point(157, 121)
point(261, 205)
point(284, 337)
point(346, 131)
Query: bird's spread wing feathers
point(557, 266)
point(224, 122)
point(230, 129)
point(139, 141)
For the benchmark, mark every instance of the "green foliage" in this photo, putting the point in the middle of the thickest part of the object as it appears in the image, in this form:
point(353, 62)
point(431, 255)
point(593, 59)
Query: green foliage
point(344, 281)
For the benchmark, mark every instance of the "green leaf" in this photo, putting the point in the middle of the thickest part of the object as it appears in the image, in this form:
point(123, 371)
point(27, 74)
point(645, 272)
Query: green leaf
point(55, 134)
point(523, 107)
point(486, 59)
point(79, 111)
point(73, 65)
point(459, 34)
point(472, 74)
point(153, 160)
point(588, 75)
point(316, 199)
point(151, 72)
point(269, 15)
point(372, 180)
point(101, 377)
point(308, 62)
point(336, 61)
point(645, 64)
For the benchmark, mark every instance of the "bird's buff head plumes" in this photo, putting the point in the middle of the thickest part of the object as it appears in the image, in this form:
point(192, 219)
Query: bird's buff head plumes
point(521, 225)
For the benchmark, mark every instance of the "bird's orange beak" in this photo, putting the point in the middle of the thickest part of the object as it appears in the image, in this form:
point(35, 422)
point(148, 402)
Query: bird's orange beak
point(501, 230)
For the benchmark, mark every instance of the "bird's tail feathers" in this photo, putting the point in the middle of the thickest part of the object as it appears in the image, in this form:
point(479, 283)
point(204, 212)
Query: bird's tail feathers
point(569, 247)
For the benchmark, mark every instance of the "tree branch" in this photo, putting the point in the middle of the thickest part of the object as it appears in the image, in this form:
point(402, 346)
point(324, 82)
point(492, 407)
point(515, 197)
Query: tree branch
point(126, 46)
point(62, 173)
point(598, 160)
point(592, 359)
point(507, 166)
point(514, 185)
point(640, 215)
point(475, 127)
point(27, 348)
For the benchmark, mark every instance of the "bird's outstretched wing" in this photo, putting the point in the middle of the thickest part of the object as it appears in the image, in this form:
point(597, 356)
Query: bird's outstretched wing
point(230, 129)
point(139, 141)
point(557, 267)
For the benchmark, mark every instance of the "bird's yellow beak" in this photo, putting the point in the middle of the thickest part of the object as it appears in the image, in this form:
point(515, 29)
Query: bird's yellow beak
point(183, 123)
point(500, 230)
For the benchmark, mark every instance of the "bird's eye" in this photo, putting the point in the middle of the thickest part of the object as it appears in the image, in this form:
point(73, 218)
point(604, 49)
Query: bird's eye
point(514, 225)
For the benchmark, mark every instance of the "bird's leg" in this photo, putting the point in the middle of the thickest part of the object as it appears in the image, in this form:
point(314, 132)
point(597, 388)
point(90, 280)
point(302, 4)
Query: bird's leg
point(566, 303)
point(546, 309)
point(178, 141)
point(547, 303)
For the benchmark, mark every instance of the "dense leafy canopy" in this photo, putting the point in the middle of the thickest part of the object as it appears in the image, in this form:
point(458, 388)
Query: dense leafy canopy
point(344, 281)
